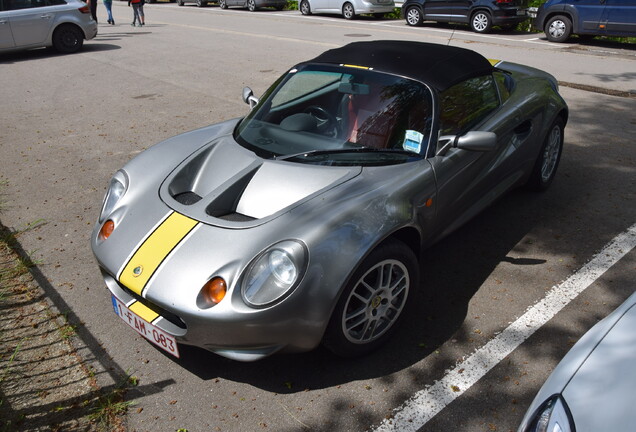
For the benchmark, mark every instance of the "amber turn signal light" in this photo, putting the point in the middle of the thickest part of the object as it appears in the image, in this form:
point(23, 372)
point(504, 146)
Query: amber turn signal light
point(107, 229)
point(214, 290)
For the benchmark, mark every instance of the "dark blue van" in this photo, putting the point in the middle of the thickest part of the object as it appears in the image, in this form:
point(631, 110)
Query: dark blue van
point(560, 19)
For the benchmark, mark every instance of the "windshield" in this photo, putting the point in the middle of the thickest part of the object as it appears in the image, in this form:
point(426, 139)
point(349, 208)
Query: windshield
point(340, 115)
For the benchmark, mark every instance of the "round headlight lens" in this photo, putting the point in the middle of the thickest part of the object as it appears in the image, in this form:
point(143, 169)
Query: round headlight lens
point(274, 273)
point(282, 267)
point(116, 190)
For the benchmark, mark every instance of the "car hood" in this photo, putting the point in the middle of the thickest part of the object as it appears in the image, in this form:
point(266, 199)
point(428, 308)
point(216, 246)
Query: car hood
point(226, 185)
point(601, 393)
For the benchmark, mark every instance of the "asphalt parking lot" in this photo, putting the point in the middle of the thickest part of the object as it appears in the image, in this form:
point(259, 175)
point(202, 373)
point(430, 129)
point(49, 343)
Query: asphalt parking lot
point(69, 122)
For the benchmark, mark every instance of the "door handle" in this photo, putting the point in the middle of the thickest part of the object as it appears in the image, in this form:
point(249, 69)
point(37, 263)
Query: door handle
point(45, 16)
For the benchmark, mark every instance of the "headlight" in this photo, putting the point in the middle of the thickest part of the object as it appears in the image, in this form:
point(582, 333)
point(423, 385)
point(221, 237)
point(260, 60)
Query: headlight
point(274, 273)
point(553, 416)
point(116, 189)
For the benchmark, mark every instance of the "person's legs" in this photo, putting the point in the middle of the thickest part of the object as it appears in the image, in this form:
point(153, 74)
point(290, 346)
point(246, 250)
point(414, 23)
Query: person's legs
point(92, 4)
point(109, 10)
point(136, 19)
point(141, 14)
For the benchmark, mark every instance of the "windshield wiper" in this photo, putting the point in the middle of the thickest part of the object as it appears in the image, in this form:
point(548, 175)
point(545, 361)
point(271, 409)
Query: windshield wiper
point(311, 153)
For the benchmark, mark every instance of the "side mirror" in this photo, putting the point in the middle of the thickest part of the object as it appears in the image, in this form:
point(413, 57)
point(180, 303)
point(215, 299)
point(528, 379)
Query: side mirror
point(472, 141)
point(477, 141)
point(249, 98)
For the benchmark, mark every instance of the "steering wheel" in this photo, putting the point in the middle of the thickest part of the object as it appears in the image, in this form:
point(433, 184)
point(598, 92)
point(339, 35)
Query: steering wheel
point(327, 123)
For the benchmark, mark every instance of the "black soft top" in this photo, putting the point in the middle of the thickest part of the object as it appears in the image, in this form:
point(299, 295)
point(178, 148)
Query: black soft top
point(439, 66)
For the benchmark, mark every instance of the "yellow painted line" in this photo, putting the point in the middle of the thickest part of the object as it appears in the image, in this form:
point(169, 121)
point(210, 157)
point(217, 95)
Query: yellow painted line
point(154, 250)
point(143, 311)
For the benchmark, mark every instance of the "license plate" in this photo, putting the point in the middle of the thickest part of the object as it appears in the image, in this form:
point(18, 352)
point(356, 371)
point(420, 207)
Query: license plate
point(522, 12)
point(154, 334)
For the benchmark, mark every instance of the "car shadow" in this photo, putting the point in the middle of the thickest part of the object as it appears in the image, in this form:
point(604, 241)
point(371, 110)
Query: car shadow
point(457, 267)
point(42, 53)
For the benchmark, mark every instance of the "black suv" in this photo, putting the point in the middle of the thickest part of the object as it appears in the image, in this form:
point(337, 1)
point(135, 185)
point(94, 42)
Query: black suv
point(481, 15)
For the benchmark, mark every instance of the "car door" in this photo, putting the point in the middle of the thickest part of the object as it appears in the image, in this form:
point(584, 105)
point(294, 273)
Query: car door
point(589, 13)
point(30, 21)
point(438, 10)
point(6, 37)
point(468, 181)
point(319, 5)
point(619, 17)
point(461, 10)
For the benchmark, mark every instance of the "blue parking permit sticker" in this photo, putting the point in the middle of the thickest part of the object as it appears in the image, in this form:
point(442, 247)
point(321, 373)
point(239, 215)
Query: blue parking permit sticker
point(413, 141)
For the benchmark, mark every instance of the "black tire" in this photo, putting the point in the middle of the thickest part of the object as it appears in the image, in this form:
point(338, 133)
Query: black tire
point(481, 22)
point(180, 3)
point(545, 167)
point(348, 11)
point(200, 3)
point(368, 312)
point(558, 28)
point(413, 16)
point(251, 5)
point(305, 9)
point(223, 4)
point(68, 39)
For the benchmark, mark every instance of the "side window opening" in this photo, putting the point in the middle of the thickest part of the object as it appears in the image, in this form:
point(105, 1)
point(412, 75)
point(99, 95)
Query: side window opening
point(466, 104)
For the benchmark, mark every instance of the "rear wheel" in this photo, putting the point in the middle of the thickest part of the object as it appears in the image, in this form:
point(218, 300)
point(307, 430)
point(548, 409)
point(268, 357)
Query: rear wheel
point(179, 2)
point(481, 22)
point(547, 162)
point(251, 5)
point(413, 16)
point(558, 28)
point(348, 12)
point(373, 303)
point(68, 39)
point(305, 9)
point(222, 4)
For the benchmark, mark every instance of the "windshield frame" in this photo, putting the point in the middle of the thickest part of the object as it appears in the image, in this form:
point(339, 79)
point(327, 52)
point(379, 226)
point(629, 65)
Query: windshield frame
point(405, 90)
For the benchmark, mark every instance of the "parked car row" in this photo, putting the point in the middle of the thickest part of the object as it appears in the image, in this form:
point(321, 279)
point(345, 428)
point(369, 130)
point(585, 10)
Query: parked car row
point(65, 24)
point(558, 18)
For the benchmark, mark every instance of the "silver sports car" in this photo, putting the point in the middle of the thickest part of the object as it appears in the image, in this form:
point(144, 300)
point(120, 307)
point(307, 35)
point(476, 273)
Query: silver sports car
point(592, 388)
point(302, 222)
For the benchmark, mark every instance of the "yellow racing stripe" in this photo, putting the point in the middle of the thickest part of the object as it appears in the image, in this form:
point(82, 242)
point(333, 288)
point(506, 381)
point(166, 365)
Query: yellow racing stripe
point(143, 311)
point(154, 250)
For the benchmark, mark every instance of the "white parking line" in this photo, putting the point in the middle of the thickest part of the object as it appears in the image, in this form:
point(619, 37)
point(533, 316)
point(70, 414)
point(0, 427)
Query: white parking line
point(425, 404)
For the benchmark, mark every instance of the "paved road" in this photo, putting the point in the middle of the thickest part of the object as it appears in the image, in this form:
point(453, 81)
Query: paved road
point(68, 122)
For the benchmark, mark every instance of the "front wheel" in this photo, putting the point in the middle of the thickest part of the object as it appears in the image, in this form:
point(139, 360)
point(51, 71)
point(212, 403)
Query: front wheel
point(251, 5)
point(414, 16)
point(547, 162)
point(377, 297)
point(223, 4)
point(348, 12)
point(558, 28)
point(481, 22)
point(305, 9)
point(68, 39)
point(179, 2)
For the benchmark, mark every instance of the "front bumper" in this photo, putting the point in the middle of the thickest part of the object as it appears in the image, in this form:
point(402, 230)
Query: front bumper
point(233, 330)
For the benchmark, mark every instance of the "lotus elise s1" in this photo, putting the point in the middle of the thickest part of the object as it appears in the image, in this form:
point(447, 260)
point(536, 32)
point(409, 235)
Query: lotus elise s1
point(302, 222)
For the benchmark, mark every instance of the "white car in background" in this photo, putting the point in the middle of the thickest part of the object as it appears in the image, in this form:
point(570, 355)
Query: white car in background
point(594, 387)
point(62, 24)
point(348, 8)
